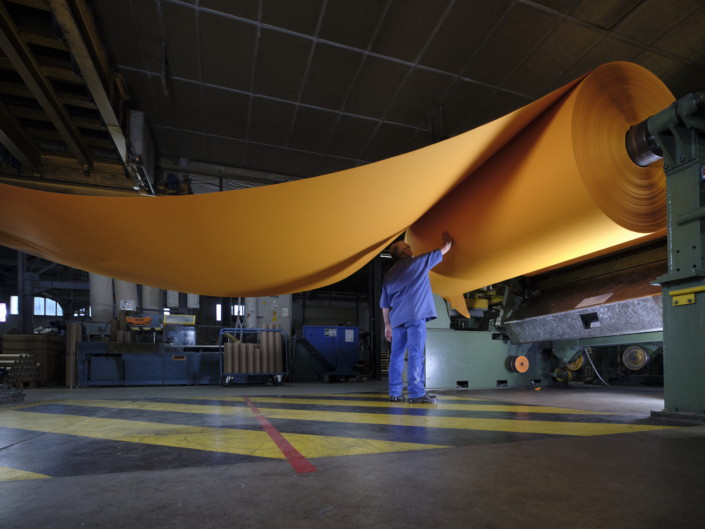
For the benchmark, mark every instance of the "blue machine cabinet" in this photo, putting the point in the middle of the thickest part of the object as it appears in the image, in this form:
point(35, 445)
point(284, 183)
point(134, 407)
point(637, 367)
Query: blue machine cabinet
point(335, 348)
point(103, 364)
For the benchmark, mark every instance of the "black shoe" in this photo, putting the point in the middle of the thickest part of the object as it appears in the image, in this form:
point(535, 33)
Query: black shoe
point(396, 399)
point(426, 399)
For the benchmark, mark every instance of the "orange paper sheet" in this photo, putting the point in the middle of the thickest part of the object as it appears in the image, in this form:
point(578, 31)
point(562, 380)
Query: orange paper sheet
point(543, 185)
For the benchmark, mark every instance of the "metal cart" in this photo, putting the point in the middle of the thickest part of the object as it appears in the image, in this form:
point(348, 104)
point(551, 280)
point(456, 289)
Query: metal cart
point(228, 379)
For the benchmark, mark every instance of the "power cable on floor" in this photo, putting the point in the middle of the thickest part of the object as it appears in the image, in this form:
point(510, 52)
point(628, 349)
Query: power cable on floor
point(587, 353)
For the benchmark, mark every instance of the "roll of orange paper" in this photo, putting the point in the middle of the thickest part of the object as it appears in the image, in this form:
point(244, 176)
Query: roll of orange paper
point(546, 184)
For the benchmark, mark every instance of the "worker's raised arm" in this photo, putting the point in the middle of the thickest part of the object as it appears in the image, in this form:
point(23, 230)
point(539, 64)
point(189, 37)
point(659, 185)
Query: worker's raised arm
point(447, 243)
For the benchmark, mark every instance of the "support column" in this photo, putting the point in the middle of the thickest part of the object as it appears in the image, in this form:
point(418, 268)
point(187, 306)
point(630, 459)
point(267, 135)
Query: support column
point(25, 298)
point(683, 302)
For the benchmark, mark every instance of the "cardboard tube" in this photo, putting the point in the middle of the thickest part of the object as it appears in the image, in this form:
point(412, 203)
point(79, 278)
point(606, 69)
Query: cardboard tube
point(70, 338)
point(271, 356)
point(236, 357)
point(278, 360)
point(257, 360)
point(265, 363)
point(250, 358)
point(243, 358)
point(128, 336)
point(263, 342)
point(227, 357)
point(121, 337)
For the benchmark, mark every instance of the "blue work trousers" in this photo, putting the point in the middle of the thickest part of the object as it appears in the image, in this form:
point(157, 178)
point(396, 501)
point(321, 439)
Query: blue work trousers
point(410, 336)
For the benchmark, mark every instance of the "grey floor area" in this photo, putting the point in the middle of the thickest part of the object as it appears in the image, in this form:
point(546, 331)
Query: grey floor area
point(647, 479)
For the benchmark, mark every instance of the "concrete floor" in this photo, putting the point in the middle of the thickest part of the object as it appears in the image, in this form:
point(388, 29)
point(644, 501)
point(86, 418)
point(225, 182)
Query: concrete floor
point(508, 458)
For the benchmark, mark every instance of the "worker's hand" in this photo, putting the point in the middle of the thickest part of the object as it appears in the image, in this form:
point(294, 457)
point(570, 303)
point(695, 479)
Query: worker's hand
point(447, 242)
point(388, 332)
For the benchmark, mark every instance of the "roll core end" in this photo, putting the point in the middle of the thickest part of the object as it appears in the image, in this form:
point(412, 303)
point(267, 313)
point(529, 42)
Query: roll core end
point(641, 145)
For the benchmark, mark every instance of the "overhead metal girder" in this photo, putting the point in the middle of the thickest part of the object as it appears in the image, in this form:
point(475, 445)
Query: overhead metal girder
point(92, 62)
point(18, 142)
point(23, 60)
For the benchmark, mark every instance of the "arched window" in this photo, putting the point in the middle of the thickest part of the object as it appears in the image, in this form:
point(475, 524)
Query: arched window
point(47, 307)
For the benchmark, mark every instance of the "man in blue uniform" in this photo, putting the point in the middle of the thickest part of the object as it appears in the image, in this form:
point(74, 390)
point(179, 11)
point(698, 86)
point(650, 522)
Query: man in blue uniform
point(407, 304)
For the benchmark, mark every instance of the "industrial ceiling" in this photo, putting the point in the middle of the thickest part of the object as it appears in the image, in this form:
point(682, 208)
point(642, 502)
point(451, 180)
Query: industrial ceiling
point(308, 87)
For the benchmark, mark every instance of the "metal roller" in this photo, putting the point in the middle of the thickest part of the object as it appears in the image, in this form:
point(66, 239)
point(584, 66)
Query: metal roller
point(635, 358)
point(576, 364)
point(563, 375)
point(517, 364)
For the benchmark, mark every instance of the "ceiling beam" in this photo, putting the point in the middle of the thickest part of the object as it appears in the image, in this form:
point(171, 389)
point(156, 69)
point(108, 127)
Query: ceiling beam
point(36, 4)
point(82, 37)
point(22, 59)
point(47, 42)
point(52, 72)
point(67, 99)
point(222, 171)
point(16, 140)
point(38, 115)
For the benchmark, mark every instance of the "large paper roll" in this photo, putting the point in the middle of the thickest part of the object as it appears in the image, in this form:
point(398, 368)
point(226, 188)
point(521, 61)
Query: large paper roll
point(548, 183)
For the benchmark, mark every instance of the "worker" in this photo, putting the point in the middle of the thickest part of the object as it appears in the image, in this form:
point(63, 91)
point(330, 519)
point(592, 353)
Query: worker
point(407, 304)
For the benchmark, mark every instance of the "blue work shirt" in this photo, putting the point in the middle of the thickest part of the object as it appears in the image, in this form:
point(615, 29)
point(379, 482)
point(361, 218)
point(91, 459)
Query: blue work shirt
point(406, 289)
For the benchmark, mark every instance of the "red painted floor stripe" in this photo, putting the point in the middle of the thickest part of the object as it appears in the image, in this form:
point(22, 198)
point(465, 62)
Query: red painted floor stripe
point(299, 462)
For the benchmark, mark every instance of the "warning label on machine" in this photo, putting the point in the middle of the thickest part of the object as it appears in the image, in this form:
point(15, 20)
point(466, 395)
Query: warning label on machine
point(330, 332)
point(349, 335)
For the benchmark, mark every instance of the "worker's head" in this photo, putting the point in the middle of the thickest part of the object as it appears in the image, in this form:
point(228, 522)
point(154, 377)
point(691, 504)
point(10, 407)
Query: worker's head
point(399, 250)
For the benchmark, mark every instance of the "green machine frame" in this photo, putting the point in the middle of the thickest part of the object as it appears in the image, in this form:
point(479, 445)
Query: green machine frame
point(677, 134)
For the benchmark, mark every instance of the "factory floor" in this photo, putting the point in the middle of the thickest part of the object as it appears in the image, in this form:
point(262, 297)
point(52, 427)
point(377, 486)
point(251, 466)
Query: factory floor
point(341, 455)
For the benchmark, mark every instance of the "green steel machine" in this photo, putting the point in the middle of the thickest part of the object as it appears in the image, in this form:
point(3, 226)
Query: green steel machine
point(677, 135)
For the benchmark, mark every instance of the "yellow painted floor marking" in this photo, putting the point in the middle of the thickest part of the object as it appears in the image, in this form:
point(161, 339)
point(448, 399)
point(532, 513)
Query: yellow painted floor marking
point(385, 396)
point(404, 405)
point(233, 441)
point(12, 474)
point(323, 446)
point(162, 406)
point(461, 423)
point(243, 442)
